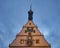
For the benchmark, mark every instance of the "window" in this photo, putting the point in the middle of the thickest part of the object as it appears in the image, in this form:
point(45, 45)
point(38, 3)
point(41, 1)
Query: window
point(25, 31)
point(29, 23)
point(30, 37)
point(34, 31)
point(29, 34)
point(37, 41)
point(21, 41)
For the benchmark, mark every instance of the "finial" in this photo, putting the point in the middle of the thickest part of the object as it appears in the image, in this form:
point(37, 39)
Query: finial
point(30, 13)
point(31, 5)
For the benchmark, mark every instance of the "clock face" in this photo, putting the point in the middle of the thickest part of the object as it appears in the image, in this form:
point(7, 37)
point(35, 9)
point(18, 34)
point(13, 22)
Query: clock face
point(30, 29)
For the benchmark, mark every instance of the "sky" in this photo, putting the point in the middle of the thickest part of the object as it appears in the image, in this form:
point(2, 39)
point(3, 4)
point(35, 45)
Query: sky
point(14, 15)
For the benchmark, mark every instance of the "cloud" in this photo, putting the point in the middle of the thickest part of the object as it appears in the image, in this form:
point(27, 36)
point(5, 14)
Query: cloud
point(53, 37)
point(5, 36)
point(46, 14)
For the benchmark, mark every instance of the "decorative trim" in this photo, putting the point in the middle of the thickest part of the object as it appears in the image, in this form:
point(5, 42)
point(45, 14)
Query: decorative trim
point(31, 35)
point(29, 46)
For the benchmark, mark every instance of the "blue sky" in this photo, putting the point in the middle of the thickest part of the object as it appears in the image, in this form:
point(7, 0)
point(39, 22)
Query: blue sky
point(14, 14)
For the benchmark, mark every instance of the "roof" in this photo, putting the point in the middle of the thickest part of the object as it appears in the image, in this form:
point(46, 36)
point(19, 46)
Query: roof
point(35, 35)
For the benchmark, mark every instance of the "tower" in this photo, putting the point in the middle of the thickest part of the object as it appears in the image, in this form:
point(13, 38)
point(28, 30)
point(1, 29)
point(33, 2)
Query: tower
point(30, 36)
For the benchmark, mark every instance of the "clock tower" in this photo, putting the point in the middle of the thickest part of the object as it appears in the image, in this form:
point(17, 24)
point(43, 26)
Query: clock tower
point(30, 36)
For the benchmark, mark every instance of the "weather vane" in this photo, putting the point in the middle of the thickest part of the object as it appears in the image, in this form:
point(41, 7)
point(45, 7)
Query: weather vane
point(30, 4)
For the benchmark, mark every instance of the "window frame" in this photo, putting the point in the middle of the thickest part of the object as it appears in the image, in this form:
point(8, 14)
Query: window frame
point(37, 41)
point(22, 41)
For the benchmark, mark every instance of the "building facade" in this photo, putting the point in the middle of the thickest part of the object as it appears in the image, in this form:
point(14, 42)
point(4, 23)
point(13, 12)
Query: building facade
point(30, 36)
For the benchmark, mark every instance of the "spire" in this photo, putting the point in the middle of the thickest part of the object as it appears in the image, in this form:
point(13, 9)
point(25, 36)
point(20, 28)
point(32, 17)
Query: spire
point(31, 6)
point(30, 13)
